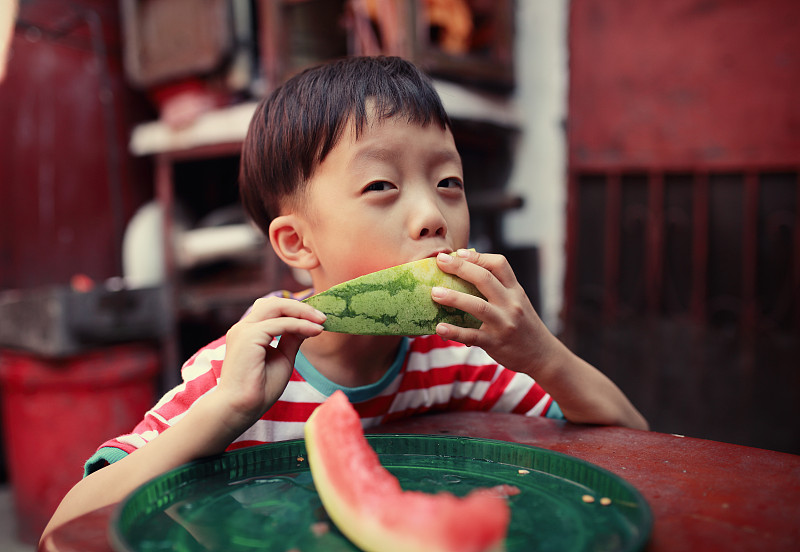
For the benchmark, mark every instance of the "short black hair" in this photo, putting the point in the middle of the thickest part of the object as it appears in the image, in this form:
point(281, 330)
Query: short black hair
point(295, 127)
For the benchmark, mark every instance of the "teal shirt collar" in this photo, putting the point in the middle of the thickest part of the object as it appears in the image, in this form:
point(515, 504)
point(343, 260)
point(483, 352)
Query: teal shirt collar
point(355, 394)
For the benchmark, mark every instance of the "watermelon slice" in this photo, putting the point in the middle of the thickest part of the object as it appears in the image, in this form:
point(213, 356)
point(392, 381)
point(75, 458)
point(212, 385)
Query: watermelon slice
point(369, 507)
point(394, 301)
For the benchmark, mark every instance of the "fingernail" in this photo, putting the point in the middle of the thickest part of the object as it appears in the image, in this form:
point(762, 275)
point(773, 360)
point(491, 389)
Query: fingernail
point(438, 292)
point(321, 315)
point(464, 253)
point(442, 330)
point(444, 257)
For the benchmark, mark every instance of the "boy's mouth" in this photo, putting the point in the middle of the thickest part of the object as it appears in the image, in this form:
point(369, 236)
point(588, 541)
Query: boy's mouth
point(436, 253)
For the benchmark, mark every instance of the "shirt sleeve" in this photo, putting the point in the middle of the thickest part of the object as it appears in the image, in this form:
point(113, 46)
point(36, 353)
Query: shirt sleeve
point(102, 458)
point(200, 375)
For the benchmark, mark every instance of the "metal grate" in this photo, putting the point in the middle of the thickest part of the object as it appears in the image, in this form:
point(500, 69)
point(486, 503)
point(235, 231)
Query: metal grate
point(721, 248)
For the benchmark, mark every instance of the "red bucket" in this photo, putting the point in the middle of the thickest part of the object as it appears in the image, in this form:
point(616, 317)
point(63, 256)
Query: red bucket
point(56, 412)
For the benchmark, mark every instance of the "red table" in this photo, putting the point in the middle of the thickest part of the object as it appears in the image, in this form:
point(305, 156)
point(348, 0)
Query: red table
point(704, 495)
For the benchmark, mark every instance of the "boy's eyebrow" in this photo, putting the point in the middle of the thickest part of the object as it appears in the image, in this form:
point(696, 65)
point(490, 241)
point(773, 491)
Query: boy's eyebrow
point(374, 154)
point(390, 154)
point(447, 156)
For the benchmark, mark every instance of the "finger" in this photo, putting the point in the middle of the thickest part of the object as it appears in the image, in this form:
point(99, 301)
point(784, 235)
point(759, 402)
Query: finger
point(478, 307)
point(496, 264)
point(467, 336)
point(483, 279)
point(274, 307)
point(289, 345)
point(264, 331)
point(285, 326)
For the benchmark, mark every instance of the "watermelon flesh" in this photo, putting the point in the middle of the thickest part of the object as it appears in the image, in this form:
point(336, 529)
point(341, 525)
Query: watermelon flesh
point(394, 301)
point(370, 508)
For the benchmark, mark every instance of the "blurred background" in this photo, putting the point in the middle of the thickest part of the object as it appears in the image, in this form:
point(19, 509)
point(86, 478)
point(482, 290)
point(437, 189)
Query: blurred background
point(638, 161)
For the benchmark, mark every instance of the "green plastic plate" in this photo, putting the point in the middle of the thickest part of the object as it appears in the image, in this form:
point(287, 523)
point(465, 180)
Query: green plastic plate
point(263, 498)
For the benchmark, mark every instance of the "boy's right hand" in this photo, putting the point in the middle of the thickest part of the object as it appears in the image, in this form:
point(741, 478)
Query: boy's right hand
point(254, 374)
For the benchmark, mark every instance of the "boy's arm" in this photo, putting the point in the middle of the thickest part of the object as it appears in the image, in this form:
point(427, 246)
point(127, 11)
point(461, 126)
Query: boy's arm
point(202, 432)
point(514, 335)
point(254, 375)
point(584, 394)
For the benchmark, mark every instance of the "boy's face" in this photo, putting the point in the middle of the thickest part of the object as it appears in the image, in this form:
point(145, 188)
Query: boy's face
point(394, 195)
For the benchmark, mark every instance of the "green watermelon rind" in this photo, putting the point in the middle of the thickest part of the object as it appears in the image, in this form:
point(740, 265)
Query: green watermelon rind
point(394, 301)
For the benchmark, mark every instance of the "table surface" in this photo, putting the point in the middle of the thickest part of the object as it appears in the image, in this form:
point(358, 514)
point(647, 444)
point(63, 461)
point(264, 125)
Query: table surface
point(704, 495)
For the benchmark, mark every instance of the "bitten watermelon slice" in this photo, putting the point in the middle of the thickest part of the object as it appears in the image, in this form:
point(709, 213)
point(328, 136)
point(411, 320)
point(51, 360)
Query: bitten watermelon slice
point(369, 507)
point(394, 301)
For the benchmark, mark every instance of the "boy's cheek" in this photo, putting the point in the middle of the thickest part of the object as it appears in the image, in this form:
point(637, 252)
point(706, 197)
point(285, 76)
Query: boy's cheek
point(358, 265)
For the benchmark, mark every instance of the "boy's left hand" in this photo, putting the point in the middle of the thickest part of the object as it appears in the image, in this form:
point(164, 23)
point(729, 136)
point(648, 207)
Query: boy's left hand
point(512, 332)
point(514, 335)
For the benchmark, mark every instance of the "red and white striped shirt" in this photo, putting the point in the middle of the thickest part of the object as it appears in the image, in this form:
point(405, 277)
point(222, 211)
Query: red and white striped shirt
point(428, 374)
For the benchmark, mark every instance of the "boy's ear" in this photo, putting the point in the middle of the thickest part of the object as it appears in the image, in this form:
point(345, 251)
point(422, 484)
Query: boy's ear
point(286, 234)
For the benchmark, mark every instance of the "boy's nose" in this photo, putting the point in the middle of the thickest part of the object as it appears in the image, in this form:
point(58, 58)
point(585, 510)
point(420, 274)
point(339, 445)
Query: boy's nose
point(429, 220)
point(437, 231)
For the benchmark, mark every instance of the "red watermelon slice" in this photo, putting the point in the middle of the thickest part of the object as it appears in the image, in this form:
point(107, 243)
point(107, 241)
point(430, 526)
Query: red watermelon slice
point(370, 508)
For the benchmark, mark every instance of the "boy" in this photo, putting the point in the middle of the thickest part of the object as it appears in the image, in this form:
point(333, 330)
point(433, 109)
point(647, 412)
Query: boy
point(351, 168)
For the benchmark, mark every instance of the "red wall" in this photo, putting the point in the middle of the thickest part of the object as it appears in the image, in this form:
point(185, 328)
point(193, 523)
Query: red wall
point(65, 115)
point(681, 83)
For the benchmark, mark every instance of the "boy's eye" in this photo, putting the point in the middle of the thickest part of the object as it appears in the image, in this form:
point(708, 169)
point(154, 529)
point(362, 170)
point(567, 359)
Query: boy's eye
point(451, 183)
point(380, 186)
